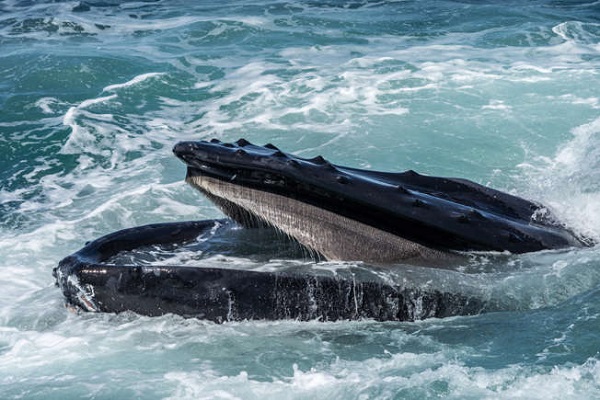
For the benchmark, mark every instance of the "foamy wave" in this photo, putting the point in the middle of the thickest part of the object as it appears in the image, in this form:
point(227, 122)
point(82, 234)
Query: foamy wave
point(570, 181)
point(135, 81)
point(405, 375)
point(95, 132)
point(81, 137)
point(578, 31)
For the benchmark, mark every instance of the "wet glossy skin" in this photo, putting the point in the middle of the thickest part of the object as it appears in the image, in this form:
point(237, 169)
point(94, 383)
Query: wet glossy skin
point(225, 294)
point(444, 214)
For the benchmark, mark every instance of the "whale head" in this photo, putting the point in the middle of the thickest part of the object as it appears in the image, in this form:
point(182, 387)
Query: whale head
point(346, 213)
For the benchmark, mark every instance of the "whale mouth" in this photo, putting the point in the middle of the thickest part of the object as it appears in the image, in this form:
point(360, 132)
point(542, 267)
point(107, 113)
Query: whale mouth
point(351, 214)
point(260, 185)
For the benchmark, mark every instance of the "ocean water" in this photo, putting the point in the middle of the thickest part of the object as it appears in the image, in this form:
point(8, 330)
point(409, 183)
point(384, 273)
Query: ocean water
point(94, 94)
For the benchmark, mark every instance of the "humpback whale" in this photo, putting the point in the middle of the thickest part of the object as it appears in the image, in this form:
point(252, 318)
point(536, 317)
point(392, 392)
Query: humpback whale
point(340, 213)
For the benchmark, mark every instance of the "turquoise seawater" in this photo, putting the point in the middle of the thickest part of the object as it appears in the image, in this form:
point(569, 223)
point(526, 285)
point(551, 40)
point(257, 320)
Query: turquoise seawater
point(94, 94)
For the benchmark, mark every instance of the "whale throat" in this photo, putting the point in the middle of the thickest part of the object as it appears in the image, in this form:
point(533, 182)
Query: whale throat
point(331, 235)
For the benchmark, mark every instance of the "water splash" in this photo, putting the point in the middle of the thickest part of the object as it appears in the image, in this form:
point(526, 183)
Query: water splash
point(569, 182)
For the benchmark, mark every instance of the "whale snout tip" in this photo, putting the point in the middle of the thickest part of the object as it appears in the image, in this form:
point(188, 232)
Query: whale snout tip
point(200, 150)
point(182, 148)
point(187, 152)
point(240, 153)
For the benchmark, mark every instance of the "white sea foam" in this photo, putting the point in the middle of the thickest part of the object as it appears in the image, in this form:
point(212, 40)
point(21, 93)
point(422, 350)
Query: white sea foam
point(407, 375)
point(578, 31)
point(568, 182)
point(81, 137)
point(46, 103)
point(135, 81)
point(496, 105)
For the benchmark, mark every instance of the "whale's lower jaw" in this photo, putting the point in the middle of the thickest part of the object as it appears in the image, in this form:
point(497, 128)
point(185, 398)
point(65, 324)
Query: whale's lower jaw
point(335, 237)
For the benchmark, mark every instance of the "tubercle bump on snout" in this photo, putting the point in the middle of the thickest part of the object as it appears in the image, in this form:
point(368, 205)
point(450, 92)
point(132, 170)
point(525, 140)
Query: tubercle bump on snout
point(194, 152)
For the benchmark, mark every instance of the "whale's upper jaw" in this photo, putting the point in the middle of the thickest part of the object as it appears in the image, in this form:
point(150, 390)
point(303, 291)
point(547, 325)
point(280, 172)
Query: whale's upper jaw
point(243, 163)
point(441, 213)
